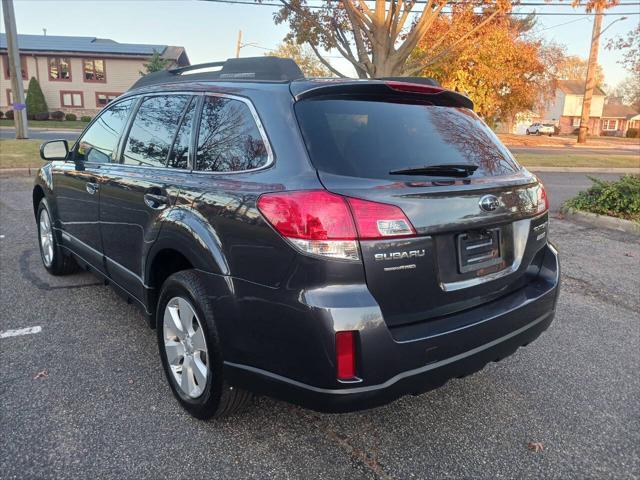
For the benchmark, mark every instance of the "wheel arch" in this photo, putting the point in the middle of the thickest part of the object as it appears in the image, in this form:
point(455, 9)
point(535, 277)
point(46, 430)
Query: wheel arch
point(37, 195)
point(186, 241)
point(42, 187)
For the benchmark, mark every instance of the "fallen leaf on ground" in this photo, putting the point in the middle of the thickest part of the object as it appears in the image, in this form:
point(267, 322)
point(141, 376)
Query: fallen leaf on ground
point(42, 374)
point(536, 446)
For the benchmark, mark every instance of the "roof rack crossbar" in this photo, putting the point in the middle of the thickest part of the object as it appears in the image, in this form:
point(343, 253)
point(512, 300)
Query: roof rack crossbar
point(269, 69)
point(198, 66)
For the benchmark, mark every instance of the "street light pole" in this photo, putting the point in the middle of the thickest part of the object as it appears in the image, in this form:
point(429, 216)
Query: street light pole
point(592, 67)
point(239, 44)
point(15, 70)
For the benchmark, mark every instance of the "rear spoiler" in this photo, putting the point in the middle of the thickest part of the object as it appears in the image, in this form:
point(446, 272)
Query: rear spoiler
point(396, 88)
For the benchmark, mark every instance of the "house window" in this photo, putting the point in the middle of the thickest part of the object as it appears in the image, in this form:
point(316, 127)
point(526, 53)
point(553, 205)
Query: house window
point(103, 98)
point(94, 71)
point(609, 124)
point(23, 66)
point(575, 122)
point(71, 99)
point(10, 96)
point(60, 69)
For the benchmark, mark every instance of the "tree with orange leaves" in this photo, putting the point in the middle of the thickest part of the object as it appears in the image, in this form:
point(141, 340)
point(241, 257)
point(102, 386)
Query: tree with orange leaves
point(376, 37)
point(499, 67)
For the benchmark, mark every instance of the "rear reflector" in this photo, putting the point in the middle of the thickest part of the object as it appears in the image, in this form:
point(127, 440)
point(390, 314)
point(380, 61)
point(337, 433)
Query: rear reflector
point(321, 223)
point(346, 355)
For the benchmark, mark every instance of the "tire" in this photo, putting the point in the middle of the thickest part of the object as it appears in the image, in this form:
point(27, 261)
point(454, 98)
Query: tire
point(54, 259)
point(528, 132)
point(203, 392)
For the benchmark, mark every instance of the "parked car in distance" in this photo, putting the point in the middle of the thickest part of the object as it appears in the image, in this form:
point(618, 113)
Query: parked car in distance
point(541, 129)
point(334, 243)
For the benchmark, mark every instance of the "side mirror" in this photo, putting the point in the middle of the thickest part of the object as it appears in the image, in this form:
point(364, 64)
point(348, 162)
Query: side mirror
point(54, 150)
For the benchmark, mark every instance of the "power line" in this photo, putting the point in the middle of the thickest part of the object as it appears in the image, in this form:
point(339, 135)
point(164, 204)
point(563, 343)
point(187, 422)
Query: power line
point(561, 24)
point(550, 14)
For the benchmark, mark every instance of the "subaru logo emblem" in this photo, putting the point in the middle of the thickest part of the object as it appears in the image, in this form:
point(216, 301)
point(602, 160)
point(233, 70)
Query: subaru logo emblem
point(489, 203)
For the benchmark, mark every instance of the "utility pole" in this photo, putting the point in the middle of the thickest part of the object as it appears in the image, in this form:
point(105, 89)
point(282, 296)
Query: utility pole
point(239, 44)
point(15, 70)
point(591, 76)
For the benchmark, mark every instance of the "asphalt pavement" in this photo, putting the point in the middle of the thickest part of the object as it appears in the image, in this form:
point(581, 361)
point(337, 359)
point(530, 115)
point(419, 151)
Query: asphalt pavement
point(623, 150)
point(44, 135)
point(563, 186)
point(86, 397)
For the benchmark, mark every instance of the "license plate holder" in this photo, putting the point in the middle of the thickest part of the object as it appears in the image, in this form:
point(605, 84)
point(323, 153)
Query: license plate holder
point(479, 249)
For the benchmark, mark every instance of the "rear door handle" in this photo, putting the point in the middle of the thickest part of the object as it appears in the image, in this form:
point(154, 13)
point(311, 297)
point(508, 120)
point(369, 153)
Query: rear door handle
point(91, 187)
point(155, 201)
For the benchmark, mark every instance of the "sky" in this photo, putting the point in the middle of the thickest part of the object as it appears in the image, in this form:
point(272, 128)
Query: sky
point(209, 30)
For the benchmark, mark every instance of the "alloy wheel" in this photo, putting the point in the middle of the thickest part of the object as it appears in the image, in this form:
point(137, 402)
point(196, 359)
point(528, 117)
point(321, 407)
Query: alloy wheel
point(185, 347)
point(46, 238)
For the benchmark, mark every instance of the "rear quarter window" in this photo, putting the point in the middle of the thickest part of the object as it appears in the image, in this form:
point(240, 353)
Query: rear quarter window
point(371, 138)
point(229, 139)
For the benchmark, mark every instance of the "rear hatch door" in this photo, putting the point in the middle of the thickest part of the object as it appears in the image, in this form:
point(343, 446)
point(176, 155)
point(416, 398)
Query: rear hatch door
point(477, 236)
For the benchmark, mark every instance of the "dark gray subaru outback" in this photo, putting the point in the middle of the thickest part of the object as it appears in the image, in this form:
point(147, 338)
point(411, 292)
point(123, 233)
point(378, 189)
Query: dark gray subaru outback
point(334, 243)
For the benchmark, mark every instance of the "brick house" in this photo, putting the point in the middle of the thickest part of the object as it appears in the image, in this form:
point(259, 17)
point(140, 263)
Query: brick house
point(79, 74)
point(566, 108)
point(617, 118)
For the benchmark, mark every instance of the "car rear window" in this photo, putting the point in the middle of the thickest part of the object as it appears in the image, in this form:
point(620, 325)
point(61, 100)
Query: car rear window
point(371, 138)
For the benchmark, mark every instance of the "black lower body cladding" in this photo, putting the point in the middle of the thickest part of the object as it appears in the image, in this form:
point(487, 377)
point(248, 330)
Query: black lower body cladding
point(282, 342)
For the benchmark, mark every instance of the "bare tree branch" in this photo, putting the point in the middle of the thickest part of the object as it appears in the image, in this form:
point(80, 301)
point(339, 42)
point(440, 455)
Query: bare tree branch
point(351, 8)
point(364, 62)
point(428, 16)
point(325, 62)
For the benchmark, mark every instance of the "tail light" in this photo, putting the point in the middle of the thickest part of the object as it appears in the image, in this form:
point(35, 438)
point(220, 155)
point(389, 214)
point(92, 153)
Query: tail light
point(543, 200)
point(379, 220)
point(321, 223)
point(346, 355)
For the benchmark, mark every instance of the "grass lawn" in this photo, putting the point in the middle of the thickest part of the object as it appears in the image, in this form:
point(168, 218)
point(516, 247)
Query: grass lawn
point(20, 153)
point(578, 160)
point(53, 124)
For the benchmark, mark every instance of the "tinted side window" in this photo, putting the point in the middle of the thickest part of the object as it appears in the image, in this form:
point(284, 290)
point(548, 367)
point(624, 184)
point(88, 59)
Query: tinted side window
point(228, 138)
point(99, 142)
point(179, 156)
point(153, 130)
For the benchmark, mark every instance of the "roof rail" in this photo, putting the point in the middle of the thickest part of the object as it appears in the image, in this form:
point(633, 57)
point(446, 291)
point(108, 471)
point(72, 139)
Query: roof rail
point(274, 69)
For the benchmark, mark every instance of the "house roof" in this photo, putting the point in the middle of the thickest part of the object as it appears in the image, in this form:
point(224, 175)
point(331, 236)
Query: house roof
point(618, 110)
point(576, 87)
point(53, 43)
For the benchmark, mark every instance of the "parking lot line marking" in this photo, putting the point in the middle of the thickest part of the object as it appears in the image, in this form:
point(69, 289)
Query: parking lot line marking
point(20, 331)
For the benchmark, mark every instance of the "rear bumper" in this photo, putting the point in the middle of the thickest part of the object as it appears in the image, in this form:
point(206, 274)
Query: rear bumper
point(394, 362)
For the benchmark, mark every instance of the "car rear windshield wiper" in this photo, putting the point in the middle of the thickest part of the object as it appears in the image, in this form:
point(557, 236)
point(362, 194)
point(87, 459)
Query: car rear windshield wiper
point(445, 170)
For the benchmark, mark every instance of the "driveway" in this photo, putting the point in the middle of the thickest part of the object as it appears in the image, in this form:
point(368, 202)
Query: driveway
point(563, 186)
point(86, 396)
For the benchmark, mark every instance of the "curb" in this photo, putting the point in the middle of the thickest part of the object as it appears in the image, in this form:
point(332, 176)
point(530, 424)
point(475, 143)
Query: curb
point(585, 169)
point(601, 221)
